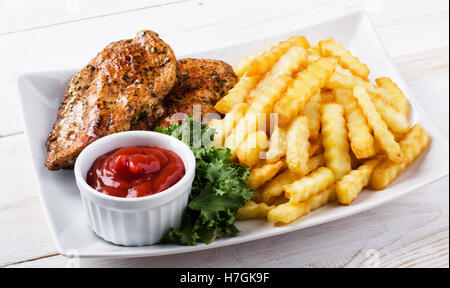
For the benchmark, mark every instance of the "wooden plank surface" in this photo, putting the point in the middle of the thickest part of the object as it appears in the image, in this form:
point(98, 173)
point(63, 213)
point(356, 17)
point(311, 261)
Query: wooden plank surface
point(399, 234)
point(412, 231)
point(52, 47)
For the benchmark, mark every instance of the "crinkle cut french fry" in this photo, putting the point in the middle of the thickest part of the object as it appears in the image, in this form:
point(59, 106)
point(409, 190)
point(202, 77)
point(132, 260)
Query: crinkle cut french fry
point(263, 63)
point(247, 88)
point(223, 127)
point(312, 112)
point(331, 48)
point(341, 80)
point(334, 134)
point(307, 83)
point(349, 187)
point(297, 147)
point(287, 64)
point(288, 212)
point(237, 94)
point(252, 210)
point(398, 99)
point(274, 188)
point(312, 56)
point(253, 119)
point(310, 185)
point(340, 69)
point(260, 175)
point(249, 152)
point(395, 120)
point(412, 145)
point(359, 132)
point(248, 124)
point(380, 129)
point(242, 67)
point(277, 145)
point(264, 101)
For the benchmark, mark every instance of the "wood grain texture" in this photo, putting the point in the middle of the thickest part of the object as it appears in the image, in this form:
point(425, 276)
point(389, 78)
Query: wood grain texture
point(46, 49)
point(409, 232)
point(397, 234)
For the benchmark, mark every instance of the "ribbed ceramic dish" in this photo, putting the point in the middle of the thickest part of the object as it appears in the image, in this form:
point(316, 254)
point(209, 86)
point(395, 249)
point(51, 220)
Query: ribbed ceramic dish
point(134, 221)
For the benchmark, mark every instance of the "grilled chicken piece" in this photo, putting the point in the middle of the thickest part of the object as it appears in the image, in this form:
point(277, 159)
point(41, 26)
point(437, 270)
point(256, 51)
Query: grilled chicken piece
point(199, 81)
point(120, 89)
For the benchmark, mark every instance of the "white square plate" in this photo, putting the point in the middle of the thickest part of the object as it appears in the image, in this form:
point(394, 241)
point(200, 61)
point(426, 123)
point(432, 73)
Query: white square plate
point(40, 95)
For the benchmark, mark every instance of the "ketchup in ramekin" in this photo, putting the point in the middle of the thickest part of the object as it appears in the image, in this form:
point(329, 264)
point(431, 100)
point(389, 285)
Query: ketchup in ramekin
point(135, 171)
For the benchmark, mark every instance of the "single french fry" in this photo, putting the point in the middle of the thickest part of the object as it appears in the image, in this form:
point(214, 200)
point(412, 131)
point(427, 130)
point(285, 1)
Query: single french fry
point(312, 112)
point(288, 212)
point(297, 147)
point(242, 67)
point(340, 80)
point(324, 197)
point(412, 145)
point(312, 56)
point(334, 133)
point(349, 187)
point(274, 187)
point(264, 62)
point(359, 131)
point(340, 69)
point(380, 129)
point(260, 175)
point(305, 85)
point(395, 120)
point(223, 127)
point(398, 99)
point(331, 48)
point(252, 210)
point(237, 94)
point(309, 186)
point(249, 151)
point(277, 145)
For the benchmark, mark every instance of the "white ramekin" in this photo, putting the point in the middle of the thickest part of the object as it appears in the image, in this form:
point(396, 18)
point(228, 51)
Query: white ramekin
point(134, 221)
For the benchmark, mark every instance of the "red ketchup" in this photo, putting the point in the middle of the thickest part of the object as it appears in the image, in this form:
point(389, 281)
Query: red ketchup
point(135, 171)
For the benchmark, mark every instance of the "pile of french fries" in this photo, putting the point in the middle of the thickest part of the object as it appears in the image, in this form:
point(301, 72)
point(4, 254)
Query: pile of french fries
point(313, 128)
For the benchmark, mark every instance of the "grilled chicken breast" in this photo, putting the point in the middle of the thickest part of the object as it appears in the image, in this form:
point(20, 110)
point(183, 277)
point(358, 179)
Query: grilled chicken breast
point(121, 89)
point(200, 82)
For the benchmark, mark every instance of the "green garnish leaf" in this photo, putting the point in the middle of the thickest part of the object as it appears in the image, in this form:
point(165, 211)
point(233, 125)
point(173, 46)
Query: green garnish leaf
point(218, 191)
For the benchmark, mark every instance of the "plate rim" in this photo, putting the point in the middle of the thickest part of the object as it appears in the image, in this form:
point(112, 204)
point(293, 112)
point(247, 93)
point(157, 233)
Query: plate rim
point(247, 238)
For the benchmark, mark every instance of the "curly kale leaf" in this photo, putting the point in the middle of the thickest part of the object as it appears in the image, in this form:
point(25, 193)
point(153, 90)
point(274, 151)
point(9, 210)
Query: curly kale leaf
point(218, 191)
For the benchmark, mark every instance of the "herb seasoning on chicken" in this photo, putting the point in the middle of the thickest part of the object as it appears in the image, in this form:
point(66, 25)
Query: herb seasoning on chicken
point(121, 89)
point(199, 82)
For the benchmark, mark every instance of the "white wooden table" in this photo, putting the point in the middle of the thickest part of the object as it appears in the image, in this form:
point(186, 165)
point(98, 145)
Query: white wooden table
point(51, 35)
